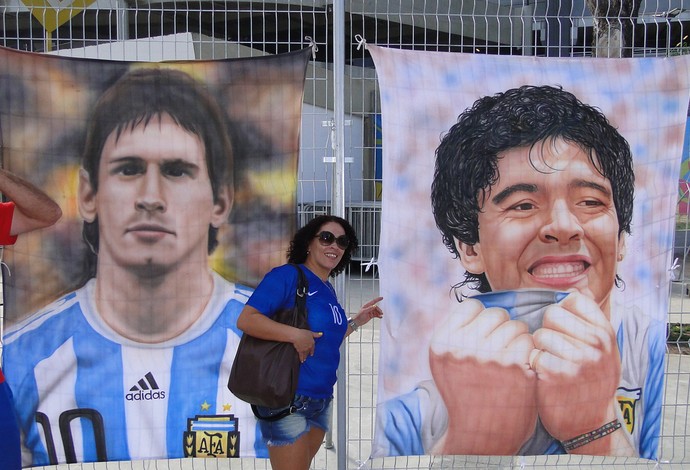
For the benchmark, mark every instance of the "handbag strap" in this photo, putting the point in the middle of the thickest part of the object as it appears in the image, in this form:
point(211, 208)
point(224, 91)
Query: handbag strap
point(280, 415)
point(300, 295)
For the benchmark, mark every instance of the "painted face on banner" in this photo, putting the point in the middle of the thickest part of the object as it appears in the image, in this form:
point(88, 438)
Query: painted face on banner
point(549, 222)
point(154, 201)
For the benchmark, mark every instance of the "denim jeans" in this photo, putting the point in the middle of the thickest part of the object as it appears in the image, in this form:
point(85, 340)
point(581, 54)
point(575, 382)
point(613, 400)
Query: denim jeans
point(308, 412)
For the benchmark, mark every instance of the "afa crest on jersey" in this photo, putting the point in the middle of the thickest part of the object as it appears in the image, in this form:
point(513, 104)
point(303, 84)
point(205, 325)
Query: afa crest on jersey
point(212, 436)
point(627, 399)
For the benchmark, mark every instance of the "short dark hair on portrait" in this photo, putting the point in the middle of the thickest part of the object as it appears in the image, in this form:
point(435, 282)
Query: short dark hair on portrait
point(467, 158)
point(145, 94)
point(299, 245)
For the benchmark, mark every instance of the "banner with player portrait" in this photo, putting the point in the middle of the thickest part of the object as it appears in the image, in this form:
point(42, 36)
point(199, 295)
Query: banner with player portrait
point(177, 182)
point(530, 201)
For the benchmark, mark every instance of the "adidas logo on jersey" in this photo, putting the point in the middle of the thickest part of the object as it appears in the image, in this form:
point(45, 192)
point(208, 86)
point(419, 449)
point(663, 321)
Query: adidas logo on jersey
point(145, 389)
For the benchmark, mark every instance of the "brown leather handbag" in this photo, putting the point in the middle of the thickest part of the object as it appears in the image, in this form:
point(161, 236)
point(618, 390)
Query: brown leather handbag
point(265, 373)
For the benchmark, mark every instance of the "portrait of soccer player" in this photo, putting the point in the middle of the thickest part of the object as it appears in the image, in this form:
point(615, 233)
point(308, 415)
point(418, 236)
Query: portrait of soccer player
point(533, 192)
point(118, 369)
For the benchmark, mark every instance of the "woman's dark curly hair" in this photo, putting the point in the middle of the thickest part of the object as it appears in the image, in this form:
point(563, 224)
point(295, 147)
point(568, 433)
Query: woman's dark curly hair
point(299, 246)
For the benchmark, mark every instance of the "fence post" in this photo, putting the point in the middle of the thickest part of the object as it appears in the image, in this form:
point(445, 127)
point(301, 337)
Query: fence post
point(338, 209)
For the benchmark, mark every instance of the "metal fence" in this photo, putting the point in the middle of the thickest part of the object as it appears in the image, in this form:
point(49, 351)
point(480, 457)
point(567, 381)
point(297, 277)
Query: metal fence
point(339, 169)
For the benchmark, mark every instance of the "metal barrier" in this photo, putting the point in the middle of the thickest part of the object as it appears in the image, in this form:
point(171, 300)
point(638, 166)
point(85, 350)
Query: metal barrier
point(334, 148)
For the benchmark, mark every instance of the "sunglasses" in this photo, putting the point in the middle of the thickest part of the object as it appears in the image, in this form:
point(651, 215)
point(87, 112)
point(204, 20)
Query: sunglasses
point(327, 238)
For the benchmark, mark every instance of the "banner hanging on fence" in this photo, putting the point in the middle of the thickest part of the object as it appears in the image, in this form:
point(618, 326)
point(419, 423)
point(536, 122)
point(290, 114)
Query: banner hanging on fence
point(531, 203)
point(177, 182)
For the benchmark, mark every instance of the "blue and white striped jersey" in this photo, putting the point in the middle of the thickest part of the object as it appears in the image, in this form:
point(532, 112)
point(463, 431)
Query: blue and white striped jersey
point(85, 393)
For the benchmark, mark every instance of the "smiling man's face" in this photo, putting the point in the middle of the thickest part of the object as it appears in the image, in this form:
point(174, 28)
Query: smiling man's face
point(548, 223)
point(154, 201)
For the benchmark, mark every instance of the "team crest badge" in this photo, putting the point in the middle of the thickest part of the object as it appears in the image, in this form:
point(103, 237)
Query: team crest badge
point(215, 436)
point(627, 399)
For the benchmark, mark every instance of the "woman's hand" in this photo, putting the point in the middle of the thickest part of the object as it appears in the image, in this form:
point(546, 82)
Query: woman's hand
point(368, 311)
point(304, 343)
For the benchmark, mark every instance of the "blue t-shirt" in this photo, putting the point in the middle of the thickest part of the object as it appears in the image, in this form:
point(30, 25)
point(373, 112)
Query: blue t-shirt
point(276, 292)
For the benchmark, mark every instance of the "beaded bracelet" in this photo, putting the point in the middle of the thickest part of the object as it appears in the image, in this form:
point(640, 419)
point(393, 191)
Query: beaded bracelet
point(591, 436)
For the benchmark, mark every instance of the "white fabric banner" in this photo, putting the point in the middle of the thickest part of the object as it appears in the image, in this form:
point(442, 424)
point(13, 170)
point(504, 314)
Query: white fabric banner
point(551, 184)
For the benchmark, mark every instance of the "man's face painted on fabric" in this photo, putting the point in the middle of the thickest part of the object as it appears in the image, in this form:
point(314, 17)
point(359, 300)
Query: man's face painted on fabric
point(155, 201)
point(549, 222)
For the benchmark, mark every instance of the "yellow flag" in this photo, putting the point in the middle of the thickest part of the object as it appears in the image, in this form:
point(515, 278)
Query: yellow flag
point(51, 17)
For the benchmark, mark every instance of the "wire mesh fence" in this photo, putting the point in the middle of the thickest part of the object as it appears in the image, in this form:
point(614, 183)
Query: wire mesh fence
point(212, 30)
